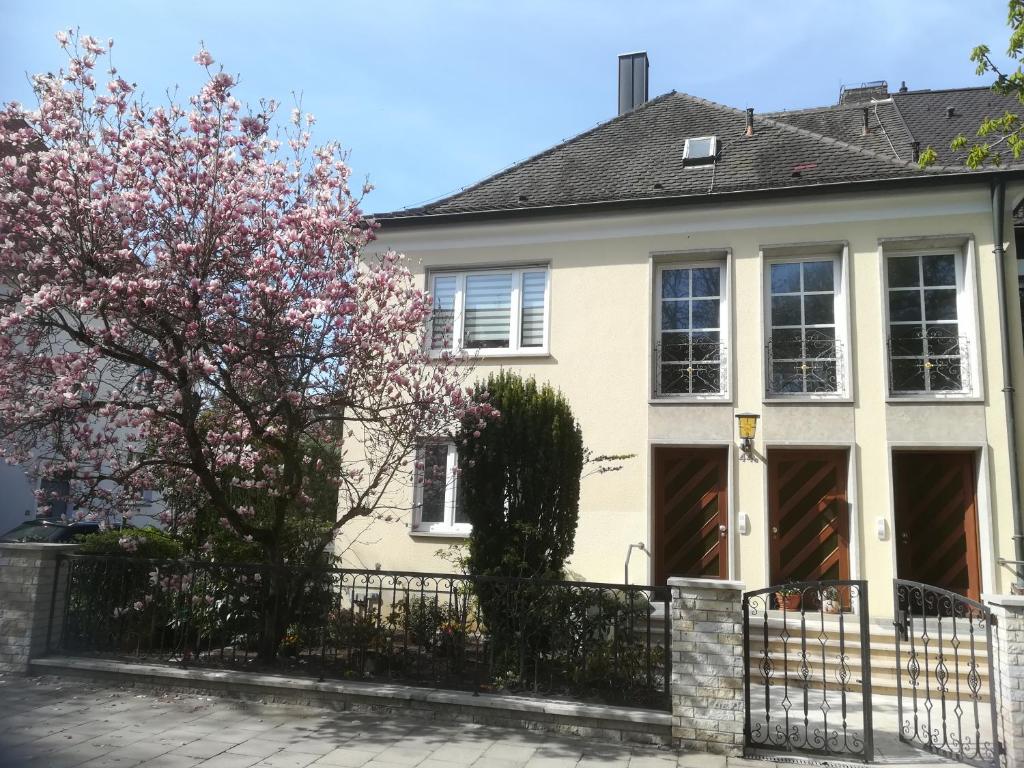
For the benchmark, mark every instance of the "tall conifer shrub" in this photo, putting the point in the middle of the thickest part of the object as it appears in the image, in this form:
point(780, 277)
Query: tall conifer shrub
point(520, 480)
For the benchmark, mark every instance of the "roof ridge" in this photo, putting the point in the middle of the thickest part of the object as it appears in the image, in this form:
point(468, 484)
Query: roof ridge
point(903, 121)
point(945, 90)
point(508, 169)
point(828, 140)
point(827, 108)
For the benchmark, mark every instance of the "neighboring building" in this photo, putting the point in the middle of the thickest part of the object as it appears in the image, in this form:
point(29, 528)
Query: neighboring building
point(685, 262)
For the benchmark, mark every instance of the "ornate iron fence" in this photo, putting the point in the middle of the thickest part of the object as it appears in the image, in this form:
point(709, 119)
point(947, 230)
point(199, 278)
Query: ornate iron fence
point(599, 642)
point(928, 360)
point(807, 670)
point(690, 366)
point(810, 364)
point(945, 681)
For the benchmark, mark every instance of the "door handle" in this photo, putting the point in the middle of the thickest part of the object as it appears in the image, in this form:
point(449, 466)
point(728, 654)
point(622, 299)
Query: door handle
point(722, 529)
point(904, 537)
point(775, 530)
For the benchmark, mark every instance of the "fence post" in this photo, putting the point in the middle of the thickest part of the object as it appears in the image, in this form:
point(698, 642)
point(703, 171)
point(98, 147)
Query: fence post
point(1008, 667)
point(707, 665)
point(29, 595)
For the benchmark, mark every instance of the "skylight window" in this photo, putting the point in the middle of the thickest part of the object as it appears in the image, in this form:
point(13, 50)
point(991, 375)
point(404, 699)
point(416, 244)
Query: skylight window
point(701, 149)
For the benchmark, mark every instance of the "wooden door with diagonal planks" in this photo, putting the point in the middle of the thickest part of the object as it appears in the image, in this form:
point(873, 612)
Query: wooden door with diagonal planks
point(691, 512)
point(936, 520)
point(809, 515)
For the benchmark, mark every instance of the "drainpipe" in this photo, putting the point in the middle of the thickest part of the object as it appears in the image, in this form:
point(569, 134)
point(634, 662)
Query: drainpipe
point(998, 199)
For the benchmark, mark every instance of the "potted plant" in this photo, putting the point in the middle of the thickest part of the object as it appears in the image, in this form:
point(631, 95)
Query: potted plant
point(830, 602)
point(788, 598)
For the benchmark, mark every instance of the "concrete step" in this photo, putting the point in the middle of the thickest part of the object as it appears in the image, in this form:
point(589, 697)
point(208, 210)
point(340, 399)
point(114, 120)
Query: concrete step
point(881, 684)
point(883, 657)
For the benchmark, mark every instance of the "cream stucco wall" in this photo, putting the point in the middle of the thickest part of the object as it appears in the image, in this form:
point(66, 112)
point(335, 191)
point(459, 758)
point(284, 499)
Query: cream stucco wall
point(600, 355)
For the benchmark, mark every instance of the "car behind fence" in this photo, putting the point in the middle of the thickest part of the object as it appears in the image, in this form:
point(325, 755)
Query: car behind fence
point(588, 641)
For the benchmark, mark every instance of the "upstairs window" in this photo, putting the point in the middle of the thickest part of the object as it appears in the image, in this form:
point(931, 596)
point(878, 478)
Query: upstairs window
point(492, 311)
point(689, 349)
point(928, 315)
point(804, 348)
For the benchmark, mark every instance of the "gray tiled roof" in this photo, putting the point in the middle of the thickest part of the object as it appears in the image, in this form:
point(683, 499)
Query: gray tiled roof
point(926, 112)
point(637, 157)
point(887, 133)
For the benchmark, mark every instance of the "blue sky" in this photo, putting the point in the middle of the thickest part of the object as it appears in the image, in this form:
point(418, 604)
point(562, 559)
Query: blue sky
point(432, 96)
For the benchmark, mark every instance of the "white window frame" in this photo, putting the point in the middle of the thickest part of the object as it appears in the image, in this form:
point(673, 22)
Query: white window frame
point(447, 526)
point(702, 158)
point(840, 312)
point(515, 348)
point(967, 322)
point(724, 330)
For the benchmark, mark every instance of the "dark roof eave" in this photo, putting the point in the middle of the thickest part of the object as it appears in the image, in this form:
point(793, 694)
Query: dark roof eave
point(393, 221)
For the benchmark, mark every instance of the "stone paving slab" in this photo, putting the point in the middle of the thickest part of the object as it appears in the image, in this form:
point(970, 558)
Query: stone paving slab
point(49, 722)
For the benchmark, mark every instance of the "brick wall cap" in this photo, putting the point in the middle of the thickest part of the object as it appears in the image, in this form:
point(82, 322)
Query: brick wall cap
point(36, 546)
point(1004, 601)
point(684, 582)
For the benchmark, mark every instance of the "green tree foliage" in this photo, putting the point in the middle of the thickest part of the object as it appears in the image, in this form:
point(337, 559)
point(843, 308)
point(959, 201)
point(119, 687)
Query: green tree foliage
point(520, 480)
point(996, 135)
point(136, 542)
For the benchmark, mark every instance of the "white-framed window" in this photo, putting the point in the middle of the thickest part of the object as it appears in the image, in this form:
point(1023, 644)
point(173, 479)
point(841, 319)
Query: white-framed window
point(437, 506)
point(690, 323)
point(490, 311)
point(700, 149)
point(930, 324)
point(805, 327)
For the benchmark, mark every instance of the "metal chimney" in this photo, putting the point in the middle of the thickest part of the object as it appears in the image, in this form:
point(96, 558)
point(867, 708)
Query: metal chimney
point(633, 69)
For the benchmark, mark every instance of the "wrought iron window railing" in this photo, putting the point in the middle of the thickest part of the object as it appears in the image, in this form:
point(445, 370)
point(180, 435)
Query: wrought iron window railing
point(690, 367)
point(590, 641)
point(811, 364)
point(927, 361)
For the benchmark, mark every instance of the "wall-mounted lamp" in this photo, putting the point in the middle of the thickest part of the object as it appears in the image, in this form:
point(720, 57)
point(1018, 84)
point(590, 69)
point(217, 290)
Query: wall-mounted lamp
point(747, 423)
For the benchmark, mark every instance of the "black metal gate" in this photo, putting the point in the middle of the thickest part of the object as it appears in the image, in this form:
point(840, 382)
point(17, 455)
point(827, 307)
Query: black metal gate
point(807, 671)
point(945, 681)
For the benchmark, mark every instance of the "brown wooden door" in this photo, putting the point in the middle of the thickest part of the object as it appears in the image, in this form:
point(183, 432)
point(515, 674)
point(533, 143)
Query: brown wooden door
point(691, 513)
point(937, 520)
point(809, 515)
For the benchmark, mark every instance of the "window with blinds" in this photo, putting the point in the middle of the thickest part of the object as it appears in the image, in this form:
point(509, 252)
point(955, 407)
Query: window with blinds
point(488, 313)
point(492, 310)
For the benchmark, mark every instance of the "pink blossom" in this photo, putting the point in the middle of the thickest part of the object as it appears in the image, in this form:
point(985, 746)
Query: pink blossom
point(230, 310)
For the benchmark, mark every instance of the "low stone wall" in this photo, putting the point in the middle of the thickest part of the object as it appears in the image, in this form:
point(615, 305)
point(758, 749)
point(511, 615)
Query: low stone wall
point(29, 590)
point(599, 722)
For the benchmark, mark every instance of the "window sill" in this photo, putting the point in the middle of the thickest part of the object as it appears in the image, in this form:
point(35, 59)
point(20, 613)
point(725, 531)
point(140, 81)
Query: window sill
point(691, 400)
point(439, 533)
point(838, 399)
point(966, 397)
point(492, 353)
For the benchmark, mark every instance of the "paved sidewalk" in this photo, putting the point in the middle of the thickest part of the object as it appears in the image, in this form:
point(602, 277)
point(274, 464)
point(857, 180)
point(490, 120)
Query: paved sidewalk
point(59, 723)
point(49, 722)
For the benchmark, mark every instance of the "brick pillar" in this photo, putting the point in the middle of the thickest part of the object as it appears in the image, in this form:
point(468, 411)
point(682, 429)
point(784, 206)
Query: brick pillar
point(707, 665)
point(1008, 660)
point(27, 575)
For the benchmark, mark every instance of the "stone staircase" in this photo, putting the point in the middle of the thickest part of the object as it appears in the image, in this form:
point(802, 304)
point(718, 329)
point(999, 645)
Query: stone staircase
point(825, 645)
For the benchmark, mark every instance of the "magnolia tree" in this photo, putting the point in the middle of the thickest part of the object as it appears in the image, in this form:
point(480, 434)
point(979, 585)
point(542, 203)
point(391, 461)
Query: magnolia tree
point(184, 299)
